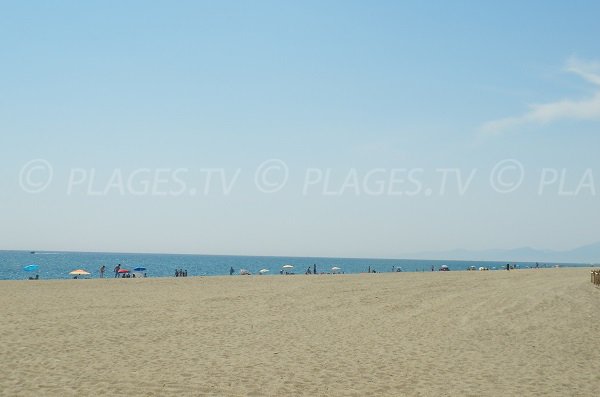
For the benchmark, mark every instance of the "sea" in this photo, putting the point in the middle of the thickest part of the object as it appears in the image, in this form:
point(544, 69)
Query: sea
point(58, 265)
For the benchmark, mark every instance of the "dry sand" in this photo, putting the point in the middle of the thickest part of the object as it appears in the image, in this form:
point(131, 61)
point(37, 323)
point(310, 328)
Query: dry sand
point(517, 333)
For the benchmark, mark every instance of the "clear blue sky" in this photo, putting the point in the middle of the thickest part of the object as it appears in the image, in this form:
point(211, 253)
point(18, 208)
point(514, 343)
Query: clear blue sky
point(339, 84)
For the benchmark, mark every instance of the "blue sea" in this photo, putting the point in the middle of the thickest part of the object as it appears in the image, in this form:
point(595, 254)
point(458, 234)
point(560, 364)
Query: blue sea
point(57, 265)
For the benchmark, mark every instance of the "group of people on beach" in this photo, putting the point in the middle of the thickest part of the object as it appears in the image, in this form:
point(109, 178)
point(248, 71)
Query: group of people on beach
point(180, 273)
point(309, 270)
point(119, 273)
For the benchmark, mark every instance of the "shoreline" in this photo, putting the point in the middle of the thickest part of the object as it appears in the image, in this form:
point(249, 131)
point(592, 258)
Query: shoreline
point(24, 276)
point(257, 274)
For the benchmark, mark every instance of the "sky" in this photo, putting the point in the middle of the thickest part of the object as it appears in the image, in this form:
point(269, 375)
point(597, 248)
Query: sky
point(337, 128)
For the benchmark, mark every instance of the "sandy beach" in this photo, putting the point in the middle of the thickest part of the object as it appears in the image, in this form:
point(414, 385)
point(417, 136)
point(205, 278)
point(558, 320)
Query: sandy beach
point(497, 333)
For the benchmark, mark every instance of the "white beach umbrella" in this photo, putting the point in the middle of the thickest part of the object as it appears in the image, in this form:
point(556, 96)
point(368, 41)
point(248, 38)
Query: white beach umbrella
point(287, 269)
point(263, 271)
point(336, 269)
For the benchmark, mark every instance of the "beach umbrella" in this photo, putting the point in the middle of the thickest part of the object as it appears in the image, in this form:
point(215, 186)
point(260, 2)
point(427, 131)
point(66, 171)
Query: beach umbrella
point(335, 269)
point(263, 271)
point(287, 269)
point(79, 272)
point(139, 269)
point(123, 271)
point(31, 268)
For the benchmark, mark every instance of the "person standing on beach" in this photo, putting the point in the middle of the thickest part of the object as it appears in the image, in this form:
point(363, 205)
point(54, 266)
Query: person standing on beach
point(315, 268)
point(117, 268)
point(102, 269)
point(231, 271)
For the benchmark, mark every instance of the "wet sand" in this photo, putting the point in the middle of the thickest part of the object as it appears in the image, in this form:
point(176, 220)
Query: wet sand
point(497, 333)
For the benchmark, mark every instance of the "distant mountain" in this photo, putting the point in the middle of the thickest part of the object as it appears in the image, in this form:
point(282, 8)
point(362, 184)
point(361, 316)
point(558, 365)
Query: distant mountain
point(585, 254)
